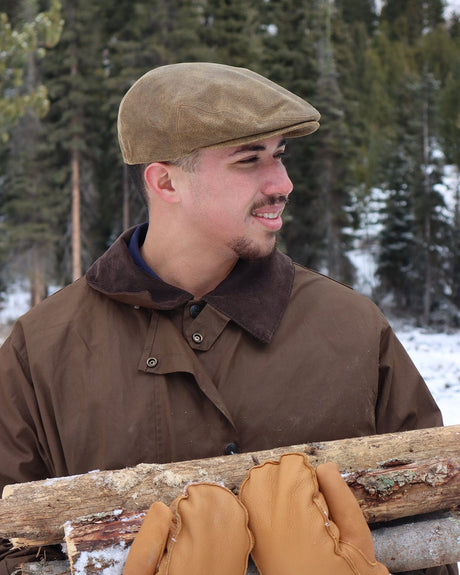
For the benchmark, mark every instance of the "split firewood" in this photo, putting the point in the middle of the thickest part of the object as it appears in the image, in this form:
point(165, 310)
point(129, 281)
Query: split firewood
point(392, 476)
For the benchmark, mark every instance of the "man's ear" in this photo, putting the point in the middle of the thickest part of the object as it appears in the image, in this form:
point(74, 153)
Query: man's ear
point(158, 181)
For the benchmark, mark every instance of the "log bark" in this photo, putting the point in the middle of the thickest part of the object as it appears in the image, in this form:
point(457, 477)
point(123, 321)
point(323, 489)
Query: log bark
point(44, 568)
point(406, 490)
point(94, 546)
point(401, 484)
point(420, 543)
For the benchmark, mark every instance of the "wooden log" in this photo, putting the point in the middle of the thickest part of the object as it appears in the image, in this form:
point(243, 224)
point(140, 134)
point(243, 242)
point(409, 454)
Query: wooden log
point(407, 490)
point(42, 568)
point(425, 542)
point(34, 513)
point(45, 568)
point(420, 543)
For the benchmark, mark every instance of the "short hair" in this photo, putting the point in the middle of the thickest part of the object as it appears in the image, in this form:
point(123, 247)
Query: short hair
point(188, 163)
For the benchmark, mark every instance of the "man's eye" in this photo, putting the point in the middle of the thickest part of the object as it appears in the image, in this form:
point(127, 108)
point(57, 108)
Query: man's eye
point(250, 160)
point(281, 155)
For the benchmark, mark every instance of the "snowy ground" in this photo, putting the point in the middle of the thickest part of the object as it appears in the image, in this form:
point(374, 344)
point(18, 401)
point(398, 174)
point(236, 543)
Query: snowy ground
point(436, 355)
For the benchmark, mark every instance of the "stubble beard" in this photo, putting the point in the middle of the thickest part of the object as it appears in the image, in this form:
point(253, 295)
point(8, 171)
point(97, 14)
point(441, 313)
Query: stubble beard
point(248, 250)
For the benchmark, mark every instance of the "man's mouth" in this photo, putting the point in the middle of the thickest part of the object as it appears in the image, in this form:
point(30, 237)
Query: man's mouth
point(271, 209)
point(268, 215)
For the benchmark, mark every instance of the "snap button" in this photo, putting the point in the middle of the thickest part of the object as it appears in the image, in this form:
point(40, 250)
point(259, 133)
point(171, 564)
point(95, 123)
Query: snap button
point(197, 337)
point(152, 362)
point(195, 310)
point(231, 449)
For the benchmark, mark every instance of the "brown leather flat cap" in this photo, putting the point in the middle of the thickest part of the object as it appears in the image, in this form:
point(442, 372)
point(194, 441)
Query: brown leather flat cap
point(174, 110)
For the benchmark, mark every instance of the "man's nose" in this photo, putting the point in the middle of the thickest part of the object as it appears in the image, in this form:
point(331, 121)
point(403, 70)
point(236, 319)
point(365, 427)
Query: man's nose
point(279, 182)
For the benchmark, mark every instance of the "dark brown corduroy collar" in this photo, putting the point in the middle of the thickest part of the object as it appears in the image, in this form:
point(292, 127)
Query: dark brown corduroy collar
point(254, 295)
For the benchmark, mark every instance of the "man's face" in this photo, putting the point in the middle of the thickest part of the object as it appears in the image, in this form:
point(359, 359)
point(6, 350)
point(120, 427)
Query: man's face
point(235, 198)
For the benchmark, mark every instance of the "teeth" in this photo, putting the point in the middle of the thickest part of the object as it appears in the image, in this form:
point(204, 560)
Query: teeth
point(266, 216)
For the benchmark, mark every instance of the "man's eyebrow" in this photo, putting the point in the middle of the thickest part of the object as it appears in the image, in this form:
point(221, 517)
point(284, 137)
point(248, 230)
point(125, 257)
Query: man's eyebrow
point(256, 147)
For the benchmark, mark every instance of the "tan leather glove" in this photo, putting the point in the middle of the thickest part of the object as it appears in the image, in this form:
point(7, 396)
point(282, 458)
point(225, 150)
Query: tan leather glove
point(204, 532)
point(303, 528)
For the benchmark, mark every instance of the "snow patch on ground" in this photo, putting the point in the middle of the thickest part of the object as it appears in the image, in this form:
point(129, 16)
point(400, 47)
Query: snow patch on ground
point(16, 302)
point(437, 357)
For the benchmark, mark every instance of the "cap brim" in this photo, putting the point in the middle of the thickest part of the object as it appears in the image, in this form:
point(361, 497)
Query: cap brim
point(296, 131)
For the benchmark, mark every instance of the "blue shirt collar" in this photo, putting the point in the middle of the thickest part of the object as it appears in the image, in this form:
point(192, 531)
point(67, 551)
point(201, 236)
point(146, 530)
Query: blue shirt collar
point(135, 242)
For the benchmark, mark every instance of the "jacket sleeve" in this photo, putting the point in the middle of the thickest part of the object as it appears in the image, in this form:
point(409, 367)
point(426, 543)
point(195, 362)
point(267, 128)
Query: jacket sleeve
point(404, 401)
point(22, 446)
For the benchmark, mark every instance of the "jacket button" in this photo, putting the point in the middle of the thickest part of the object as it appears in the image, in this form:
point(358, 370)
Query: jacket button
point(195, 310)
point(152, 362)
point(197, 338)
point(231, 449)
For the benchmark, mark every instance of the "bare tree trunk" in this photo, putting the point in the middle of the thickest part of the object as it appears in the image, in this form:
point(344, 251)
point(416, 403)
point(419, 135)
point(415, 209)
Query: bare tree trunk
point(75, 165)
point(427, 216)
point(456, 250)
point(76, 231)
point(39, 290)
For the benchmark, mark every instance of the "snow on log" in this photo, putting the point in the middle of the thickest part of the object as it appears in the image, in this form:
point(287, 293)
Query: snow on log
point(392, 476)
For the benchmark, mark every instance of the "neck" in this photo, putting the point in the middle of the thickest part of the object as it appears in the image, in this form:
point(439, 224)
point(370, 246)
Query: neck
point(192, 268)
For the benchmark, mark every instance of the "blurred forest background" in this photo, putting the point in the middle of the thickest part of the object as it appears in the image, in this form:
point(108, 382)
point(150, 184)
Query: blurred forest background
point(381, 175)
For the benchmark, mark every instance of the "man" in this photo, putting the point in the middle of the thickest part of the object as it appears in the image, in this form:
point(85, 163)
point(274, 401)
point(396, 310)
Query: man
point(193, 336)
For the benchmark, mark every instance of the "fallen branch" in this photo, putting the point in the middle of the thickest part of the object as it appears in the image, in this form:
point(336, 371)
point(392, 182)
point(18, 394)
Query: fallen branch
point(34, 513)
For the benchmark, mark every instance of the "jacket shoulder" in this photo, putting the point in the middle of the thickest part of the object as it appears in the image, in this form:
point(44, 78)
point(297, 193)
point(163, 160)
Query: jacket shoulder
point(307, 275)
point(329, 296)
point(55, 313)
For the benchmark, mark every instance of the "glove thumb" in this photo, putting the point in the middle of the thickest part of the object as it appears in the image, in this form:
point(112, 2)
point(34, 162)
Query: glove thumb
point(148, 546)
point(344, 510)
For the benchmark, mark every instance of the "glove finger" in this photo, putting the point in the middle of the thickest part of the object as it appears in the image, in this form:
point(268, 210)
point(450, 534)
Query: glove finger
point(149, 543)
point(210, 533)
point(344, 509)
point(287, 517)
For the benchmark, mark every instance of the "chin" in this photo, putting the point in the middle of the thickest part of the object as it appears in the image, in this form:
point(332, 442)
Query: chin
point(251, 251)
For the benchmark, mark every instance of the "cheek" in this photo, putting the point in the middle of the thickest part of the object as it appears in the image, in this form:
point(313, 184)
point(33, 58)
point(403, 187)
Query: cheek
point(226, 200)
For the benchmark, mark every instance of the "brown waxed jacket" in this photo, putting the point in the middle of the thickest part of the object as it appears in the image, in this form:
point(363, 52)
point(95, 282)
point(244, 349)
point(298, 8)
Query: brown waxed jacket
point(114, 370)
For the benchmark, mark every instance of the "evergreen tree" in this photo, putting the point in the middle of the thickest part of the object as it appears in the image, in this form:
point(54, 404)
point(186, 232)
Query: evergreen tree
point(138, 37)
point(449, 104)
point(229, 30)
point(18, 48)
point(397, 251)
point(412, 96)
point(333, 154)
point(289, 56)
point(28, 207)
point(74, 129)
point(386, 87)
point(409, 19)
